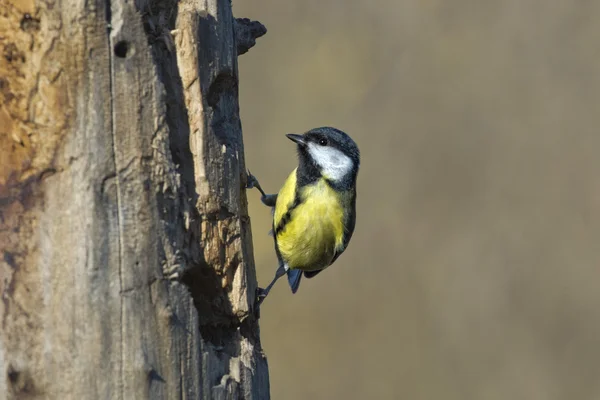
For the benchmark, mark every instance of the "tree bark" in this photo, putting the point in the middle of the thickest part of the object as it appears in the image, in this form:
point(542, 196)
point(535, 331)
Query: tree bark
point(127, 267)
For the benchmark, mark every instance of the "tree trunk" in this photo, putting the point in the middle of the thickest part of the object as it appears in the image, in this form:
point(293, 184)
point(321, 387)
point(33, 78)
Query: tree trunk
point(127, 268)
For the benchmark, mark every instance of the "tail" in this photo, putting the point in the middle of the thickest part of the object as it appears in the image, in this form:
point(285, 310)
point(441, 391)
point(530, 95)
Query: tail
point(294, 276)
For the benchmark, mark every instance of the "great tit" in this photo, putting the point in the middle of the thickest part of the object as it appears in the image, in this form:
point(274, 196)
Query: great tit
point(315, 210)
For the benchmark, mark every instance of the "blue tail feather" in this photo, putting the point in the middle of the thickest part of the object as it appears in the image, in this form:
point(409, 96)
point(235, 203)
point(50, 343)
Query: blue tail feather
point(294, 276)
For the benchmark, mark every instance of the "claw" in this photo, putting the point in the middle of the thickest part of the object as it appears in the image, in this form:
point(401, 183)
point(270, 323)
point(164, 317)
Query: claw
point(261, 295)
point(267, 199)
point(251, 181)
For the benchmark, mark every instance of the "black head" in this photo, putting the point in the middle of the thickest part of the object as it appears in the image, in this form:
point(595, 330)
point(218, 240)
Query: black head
point(327, 152)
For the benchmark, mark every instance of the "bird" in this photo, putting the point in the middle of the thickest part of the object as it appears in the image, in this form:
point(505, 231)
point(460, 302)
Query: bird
point(314, 212)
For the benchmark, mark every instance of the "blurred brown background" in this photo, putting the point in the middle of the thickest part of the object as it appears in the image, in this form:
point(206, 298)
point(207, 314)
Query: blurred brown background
point(474, 272)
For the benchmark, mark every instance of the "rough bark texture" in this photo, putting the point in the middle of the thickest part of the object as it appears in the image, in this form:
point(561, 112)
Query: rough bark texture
point(127, 267)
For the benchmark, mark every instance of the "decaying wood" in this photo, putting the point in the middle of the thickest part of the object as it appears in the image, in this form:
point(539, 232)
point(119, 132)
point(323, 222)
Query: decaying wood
point(246, 33)
point(127, 267)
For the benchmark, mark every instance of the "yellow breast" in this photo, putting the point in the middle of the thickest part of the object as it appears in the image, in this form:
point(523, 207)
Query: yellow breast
point(311, 224)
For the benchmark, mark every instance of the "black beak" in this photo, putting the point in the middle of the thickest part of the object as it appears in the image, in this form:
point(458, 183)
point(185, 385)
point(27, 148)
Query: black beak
point(296, 138)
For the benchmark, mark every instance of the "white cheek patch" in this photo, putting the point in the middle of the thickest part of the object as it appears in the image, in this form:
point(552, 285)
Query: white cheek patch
point(334, 164)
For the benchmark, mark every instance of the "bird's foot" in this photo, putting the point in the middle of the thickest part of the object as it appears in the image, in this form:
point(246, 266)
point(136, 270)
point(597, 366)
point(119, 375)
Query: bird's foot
point(252, 182)
point(267, 199)
point(261, 295)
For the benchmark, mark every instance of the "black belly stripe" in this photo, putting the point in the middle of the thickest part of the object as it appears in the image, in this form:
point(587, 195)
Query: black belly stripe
point(288, 215)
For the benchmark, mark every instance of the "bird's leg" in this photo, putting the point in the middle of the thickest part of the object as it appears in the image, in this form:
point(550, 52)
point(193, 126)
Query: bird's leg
point(267, 199)
point(262, 293)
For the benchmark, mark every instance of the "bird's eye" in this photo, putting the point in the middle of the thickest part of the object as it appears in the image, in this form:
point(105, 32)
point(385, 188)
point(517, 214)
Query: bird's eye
point(323, 142)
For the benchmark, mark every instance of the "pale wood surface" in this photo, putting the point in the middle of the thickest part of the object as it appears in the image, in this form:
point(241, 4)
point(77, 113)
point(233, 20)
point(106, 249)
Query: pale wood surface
point(127, 268)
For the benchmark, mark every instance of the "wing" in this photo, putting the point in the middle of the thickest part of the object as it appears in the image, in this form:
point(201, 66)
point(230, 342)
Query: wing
point(310, 274)
point(349, 221)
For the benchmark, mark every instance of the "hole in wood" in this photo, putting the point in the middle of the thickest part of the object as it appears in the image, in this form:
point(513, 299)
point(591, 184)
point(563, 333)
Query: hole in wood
point(121, 49)
point(13, 376)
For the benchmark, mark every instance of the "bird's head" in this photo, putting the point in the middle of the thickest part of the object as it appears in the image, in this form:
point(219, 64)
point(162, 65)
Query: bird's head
point(330, 151)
